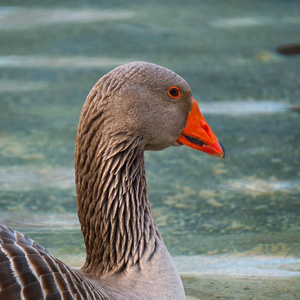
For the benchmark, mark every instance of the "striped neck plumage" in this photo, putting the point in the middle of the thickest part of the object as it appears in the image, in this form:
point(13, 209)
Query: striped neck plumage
point(113, 208)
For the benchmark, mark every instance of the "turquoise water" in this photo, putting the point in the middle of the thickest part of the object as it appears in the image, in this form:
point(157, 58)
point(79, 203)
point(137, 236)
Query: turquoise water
point(236, 219)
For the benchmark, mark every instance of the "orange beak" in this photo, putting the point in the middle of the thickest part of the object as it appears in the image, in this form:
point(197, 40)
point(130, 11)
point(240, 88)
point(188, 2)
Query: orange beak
point(197, 134)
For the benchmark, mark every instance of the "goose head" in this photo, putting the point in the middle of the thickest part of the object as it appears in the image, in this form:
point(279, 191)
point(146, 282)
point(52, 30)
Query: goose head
point(153, 103)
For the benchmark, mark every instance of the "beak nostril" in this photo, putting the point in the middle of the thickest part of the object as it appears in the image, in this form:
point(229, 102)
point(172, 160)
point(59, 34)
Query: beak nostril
point(205, 127)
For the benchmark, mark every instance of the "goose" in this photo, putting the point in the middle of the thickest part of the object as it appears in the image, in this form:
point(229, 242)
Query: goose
point(136, 107)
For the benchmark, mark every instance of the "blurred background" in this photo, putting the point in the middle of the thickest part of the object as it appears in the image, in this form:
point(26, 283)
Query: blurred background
point(233, 225)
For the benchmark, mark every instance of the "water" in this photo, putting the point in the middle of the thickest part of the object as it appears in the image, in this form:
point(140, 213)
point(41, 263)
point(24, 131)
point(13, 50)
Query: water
point(232, 226)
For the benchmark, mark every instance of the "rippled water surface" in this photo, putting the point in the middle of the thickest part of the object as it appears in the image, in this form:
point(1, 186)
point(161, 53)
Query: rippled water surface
point(233, 225)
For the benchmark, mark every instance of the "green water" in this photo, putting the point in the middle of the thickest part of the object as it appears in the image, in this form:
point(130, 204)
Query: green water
point(246, 206)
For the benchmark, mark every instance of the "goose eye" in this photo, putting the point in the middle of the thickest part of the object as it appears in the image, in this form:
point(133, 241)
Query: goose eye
point(174, 92)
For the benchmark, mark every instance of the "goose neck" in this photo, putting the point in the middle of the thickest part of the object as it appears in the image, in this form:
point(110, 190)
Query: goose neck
point(116, 220)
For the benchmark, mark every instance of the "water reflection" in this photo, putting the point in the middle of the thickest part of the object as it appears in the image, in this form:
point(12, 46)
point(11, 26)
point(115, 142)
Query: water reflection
point(58, 62)
point(245, 107)
point(19, 18)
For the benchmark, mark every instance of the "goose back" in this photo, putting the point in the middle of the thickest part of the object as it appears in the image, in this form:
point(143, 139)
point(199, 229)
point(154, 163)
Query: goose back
point(28, 271)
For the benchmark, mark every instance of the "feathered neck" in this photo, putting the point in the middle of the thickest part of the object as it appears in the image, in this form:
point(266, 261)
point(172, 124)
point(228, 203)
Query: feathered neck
point(113, 209)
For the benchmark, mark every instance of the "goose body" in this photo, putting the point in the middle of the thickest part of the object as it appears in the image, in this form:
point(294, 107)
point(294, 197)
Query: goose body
point(135, 107)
